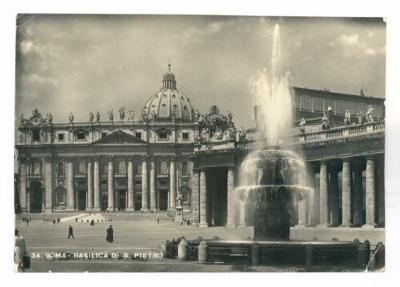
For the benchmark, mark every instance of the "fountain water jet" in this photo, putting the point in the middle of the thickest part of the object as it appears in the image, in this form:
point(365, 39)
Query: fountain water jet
point(272, 179)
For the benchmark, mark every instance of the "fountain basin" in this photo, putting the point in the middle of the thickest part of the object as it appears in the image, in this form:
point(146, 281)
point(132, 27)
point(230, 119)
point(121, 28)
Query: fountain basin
point(296, 253)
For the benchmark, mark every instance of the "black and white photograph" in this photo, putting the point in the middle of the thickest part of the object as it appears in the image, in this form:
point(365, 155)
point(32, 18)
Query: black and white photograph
point(199, 143)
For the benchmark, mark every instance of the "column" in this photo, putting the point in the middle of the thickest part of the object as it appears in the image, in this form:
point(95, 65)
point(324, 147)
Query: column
point(153, 192)
point(172, 183)
point(145, 190)
point(96, 186)
point(333, 201)
point(48, 178)
point(302, 204)
point(196, 198)
point(203, 200)
point(110, 185)
point(131, 195)
point(230, 197)
point(357, 194)
point(316, 199)
point(22, 186)
point(89, 203)
point(370, 194)
point(346, 194)
point(323, 195)
point(70, 186)
point(380, 178)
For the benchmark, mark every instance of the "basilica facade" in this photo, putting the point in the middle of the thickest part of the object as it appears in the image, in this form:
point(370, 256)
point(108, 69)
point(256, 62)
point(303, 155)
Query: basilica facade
point(142, 164)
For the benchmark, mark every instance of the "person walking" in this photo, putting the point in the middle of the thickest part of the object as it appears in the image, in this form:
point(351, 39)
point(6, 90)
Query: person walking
point(70, 232)
point(110, 234)
point(19, 252)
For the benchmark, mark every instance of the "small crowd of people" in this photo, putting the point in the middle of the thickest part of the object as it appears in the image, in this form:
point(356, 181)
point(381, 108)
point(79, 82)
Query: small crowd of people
point(92, 220)
point(26, 220)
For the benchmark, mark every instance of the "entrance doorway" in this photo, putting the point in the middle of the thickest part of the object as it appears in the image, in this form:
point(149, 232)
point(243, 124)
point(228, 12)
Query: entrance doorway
point(36, 197)
point(121, 199)
point(163, 199)
point(217, 196)
point(81, 200)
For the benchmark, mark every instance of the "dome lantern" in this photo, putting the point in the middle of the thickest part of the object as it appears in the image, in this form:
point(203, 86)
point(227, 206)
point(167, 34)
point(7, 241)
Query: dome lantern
point(169, 81)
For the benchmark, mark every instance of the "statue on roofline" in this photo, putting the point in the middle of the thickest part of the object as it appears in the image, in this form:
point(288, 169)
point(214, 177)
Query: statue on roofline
point(97, 117)
point(122, 113)
point(71, 118)
point(111, 115)
point(91, 117)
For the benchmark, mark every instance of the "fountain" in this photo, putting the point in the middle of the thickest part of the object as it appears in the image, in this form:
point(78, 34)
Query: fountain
point(272, 178)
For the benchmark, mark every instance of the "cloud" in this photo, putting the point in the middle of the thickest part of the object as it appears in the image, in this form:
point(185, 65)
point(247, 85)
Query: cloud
point(353, 46)
point(29, 46)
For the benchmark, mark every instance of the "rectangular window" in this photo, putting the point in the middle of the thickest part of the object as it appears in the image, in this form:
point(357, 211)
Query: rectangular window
point(317, 104)
point(185, 136)
point(305, 103)
point(121, 167)
point(60, 137)
point(163, 167)
point(138, 135)
point(60, 169)
point(80, 135)
point(163, 183)
point(36, 135)
point(185, 167)
point(138, 168)
point(163, 135)
point(82, 166)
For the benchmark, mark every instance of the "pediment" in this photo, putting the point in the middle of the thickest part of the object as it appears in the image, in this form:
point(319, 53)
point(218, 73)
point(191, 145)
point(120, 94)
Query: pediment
point(119, 137)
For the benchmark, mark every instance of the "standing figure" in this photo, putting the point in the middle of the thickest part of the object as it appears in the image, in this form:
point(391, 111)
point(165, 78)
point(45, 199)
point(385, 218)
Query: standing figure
point(360, 118)
point(19, 252)
point(347, 118)
point(70, 232)
point(110, 234)
point(302, 123)
point(97, 117)
point(325, 122)
point(368, 117)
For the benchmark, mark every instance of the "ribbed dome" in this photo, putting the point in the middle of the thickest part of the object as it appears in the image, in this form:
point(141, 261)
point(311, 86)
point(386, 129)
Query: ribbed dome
point(168, 103)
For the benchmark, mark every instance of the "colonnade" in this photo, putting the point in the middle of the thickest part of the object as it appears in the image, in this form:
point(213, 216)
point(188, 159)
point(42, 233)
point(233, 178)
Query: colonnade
point(149, 200)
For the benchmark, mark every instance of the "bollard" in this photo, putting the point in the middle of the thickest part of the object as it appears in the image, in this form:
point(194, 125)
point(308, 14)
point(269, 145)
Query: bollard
point(309, 255)
point(255, 254)
point(163, 250)
point(363, 254)
point(167, 249)
point(202, 252)
point(182, 249)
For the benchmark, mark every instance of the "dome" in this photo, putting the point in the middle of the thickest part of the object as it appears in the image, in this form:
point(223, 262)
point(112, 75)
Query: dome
point(168, 103)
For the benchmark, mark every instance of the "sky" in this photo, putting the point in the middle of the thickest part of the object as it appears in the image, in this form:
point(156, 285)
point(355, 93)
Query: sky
point(82, 63)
